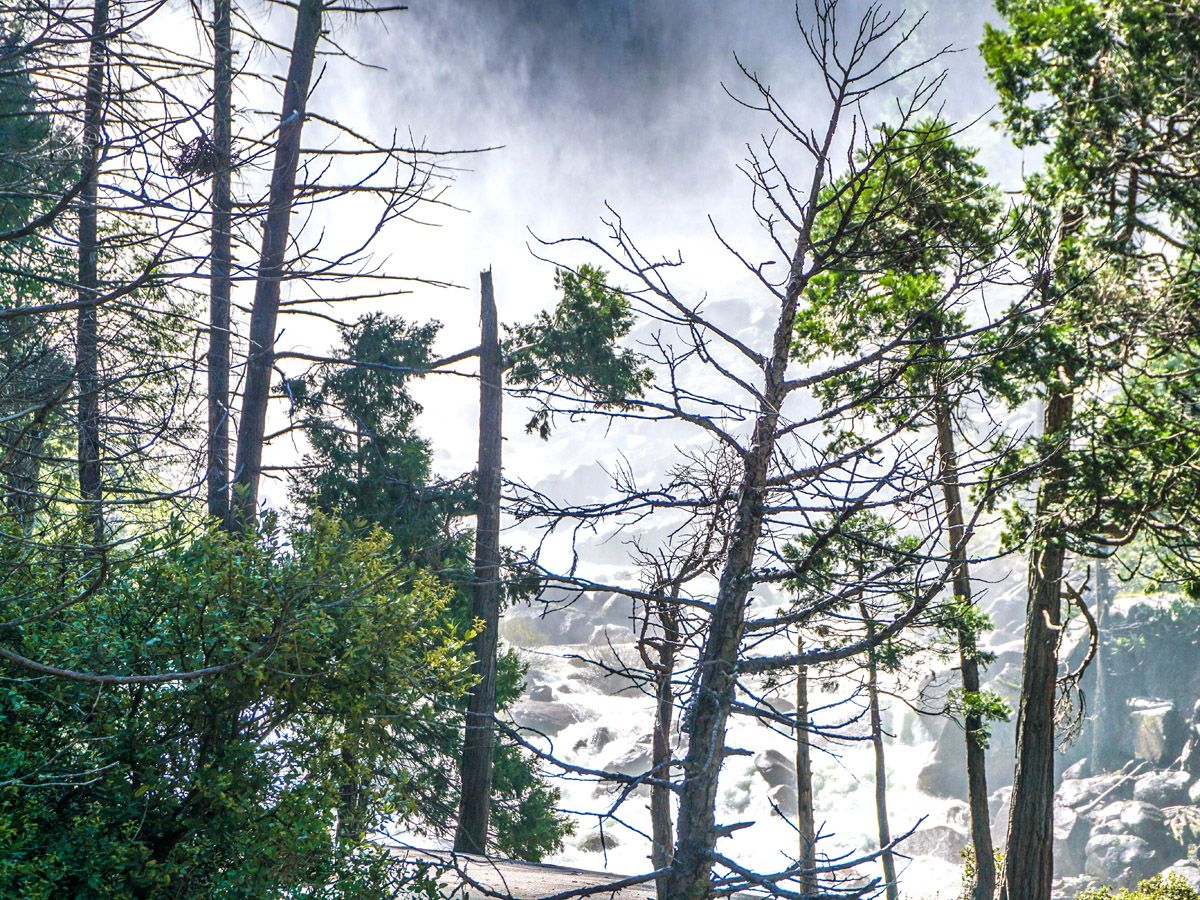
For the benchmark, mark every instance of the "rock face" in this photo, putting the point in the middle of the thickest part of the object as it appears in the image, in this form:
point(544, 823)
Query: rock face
point(1077, 792)
point(1071, 832)
point(775, 769)
point(1137, 819)
point(1106, 828)
point(783, 799)
point(940, 841)
point(1121, 859)
point(1155, 729)
point(1188, 871)
point(1160, 789)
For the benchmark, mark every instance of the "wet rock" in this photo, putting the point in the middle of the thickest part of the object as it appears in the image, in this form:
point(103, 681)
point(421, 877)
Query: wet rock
point(1135, 818)
point(1121, 859)
point(940, 841)
point(1077, 792)
point(1162, 788)
point(775, 768)
point(999, 805)
point(597, 842)
point(600, 738)
point(1194, 794)
point(541, 693)
point(611, 634)
point(958, 815)
point(783, 799)
point(1187, 870)
point(1154, 728)
point(1071, 833)
point(1075, 770)
point(549, 718)
point(634, 761)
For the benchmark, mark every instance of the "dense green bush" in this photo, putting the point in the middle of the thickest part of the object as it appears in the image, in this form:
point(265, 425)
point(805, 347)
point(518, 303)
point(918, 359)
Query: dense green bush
point(261, 781)
point(1173, 887)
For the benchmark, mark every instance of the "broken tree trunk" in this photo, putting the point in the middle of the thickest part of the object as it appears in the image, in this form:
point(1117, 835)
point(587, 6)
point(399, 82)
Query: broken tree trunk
point(479, 734)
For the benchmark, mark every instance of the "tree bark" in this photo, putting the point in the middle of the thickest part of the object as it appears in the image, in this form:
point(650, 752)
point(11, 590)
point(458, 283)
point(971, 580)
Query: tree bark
point(479, 735)
point(1028, 862)
point(661, 826)
point(265, 310)
point(1101, 739)
point(697, 831)
point(881, 812)
point(806, 824)
point(977, 789)
point(220, 264)
point(87, 349)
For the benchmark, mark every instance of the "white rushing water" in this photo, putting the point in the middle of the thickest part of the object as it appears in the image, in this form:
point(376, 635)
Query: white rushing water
point(601, 723)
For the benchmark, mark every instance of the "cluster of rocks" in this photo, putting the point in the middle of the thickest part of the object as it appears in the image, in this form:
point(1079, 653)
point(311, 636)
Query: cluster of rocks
point(1122, 827)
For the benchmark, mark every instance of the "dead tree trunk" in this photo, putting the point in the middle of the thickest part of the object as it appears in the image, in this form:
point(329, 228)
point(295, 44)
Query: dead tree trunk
point(479, 736)
point(87, 348)
point(265, 311)
point(220, 265)
point(697, 831)
point(881, 812)
point(806, 824)
point(1028, 861)
point(977, 790)
point(662, 828)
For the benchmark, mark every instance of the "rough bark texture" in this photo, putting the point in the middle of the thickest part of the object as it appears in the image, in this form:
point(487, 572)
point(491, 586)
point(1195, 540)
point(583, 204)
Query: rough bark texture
point(881, 812)
point(265, 311)
point(1028, 860)
point(716, 683)
point(479, 735)
point(664, 714)
point(220, 266)
point(1102, 745)
point(87, 349)
point(977, 789)
point(697, 832)
point(806, 823)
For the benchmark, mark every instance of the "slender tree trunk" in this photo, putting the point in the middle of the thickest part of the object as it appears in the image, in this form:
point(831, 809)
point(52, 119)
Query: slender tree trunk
point(661, 826)
point(806, 823)
point(1028, 861)
point(220, 265)
point(697, 831)
point(716, 680)
point(265, 311)
point(87, 348)
point(1101, 738)
point(977, 789)
point(479, 736)
point(887, 857)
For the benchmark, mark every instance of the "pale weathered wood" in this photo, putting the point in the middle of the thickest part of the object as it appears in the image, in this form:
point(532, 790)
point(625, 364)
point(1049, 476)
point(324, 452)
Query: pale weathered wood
point(517, 880)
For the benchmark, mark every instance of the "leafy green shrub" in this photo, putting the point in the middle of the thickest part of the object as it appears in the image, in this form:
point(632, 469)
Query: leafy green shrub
point(1173, 887)
point(265, 780)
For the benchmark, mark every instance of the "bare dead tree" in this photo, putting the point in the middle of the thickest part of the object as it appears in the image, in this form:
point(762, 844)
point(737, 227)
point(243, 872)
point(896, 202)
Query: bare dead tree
point(791, 480)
